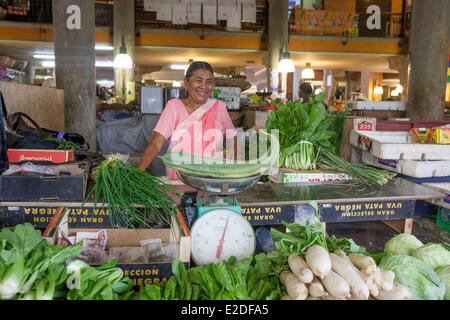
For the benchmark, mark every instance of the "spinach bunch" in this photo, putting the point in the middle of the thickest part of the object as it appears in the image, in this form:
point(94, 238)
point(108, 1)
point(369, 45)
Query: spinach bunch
point(106, 282)
point(247, 279)
point(298, 122)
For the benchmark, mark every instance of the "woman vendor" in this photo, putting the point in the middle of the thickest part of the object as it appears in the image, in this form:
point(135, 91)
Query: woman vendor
point(195, 125)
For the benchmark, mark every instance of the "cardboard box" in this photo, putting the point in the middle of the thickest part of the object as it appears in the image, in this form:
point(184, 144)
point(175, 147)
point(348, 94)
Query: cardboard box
point(150, 272)
point(35, 187)
point(51, 156)
point(431, 135)
point(441, 136)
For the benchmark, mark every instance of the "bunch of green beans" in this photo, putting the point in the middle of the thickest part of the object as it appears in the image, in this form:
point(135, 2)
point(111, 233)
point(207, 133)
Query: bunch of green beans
point(125, 189)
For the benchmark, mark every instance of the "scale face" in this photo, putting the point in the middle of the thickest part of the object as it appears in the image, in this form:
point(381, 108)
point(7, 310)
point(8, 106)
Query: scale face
point(219, 235)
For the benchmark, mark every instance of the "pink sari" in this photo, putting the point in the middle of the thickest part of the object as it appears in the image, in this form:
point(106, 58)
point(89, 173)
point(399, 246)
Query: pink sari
point(194, 126)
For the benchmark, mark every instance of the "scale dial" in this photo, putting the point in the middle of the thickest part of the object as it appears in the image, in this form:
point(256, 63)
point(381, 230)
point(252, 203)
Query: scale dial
point(219, 235)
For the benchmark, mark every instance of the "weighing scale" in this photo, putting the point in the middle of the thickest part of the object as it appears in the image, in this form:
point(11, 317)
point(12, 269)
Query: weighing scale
point(220, 231)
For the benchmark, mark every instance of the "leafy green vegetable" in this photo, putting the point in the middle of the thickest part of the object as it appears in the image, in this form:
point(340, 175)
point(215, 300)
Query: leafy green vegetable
point(433, 254)
point(31, 268)
point(101, 283)
point(63, 144)
point(444, 274)
point(421, 280)
point(402, 244)
point(304, 129)
point(230, 280)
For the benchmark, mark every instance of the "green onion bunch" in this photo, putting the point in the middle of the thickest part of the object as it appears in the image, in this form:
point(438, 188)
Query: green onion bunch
point(360, 172)
point(301, 156)
point(125, 189)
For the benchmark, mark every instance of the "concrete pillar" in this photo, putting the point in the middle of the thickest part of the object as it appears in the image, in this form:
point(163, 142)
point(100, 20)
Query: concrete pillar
point(30, 73)
point(74, 38)
point(365, 83)
point(349, 84)
point(297, 79)
point(401, 64)
point(278, 34)
point(429, 47)
point(124, 25)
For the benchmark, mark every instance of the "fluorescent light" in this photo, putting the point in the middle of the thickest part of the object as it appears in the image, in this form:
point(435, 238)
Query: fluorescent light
point(44, 56)
point(179, 66)
point(176, 84)
point(104, 48)
point(99, 64)
point(104, 64)
point(48, 64)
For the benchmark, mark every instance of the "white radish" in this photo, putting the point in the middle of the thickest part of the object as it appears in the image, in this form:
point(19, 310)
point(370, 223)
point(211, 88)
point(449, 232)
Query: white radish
point(358, 287)
point(342, 254)
point(316, 289)
point(369, 280)
point(318, 260)
point(398, 292)
point(364, 263)
point(299, 267)
point(336, 285)
point(386, 280)
point(295, 288)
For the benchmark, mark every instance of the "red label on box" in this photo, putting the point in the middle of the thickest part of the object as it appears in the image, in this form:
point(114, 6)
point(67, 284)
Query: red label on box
point(365, 126)
point(53, 156)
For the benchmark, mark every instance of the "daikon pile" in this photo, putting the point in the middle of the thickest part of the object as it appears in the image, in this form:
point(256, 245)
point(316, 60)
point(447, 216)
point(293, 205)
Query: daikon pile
point(338, 276)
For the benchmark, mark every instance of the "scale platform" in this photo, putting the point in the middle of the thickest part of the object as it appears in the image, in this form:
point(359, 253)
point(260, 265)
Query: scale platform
point(221, 192)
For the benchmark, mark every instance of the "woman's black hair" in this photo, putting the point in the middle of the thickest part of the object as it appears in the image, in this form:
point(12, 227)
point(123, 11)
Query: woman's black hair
point(198, 65)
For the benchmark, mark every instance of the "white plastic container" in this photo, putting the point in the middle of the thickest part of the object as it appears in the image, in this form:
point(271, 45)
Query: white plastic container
point(377, 105)
point(410, 168)
point(397, 146)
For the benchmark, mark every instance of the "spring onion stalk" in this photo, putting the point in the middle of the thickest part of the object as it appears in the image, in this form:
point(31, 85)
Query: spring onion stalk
point(123, 188)
point(301, 156)
point(11, 282)
point(360, 172)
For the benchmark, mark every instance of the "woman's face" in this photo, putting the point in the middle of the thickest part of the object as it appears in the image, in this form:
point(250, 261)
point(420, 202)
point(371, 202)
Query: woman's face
point(200, 86)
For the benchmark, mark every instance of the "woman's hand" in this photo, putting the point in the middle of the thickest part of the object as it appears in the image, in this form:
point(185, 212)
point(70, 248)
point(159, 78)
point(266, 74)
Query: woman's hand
point(153, 149)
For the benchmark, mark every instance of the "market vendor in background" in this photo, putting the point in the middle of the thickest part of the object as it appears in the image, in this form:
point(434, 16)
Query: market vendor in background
point(305, 91)
point(193, 124)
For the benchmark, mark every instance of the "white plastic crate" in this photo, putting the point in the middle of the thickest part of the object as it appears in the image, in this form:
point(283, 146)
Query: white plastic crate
point(410, 168)
point(377, 105)
point(397, 146)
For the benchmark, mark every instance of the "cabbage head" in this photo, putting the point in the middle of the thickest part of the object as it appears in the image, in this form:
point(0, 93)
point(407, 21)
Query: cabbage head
point(444, 274)
point(421, 280)
point(433, 254)
point(402, 244)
